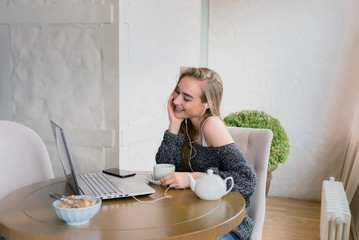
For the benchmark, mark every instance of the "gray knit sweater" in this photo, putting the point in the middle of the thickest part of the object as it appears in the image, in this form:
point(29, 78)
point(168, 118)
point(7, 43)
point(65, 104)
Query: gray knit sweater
point(225, 161)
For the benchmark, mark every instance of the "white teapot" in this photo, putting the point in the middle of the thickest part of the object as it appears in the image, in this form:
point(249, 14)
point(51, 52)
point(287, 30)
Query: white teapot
point(209, 186)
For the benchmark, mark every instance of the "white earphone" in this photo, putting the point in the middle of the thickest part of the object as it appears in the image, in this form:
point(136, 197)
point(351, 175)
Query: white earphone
point(205, 108)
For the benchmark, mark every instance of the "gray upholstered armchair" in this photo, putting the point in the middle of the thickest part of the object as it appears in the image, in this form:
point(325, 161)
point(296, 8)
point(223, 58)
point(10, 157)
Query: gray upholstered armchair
point(255, 145)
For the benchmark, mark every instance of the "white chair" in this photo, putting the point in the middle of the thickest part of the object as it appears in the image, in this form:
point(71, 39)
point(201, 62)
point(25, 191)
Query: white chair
point(255, 145)
point(23, 157)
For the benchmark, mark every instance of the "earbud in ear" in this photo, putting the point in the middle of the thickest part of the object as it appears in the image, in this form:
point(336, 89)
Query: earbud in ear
point(205, 108)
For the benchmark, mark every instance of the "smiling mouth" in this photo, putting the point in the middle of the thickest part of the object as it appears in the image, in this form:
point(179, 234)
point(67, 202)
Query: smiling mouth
point(179, 110)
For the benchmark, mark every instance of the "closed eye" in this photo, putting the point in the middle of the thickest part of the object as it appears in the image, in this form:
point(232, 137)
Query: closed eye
point(187, 97)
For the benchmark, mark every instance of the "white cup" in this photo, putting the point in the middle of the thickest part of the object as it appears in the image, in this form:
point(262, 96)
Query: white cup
point(162, 169)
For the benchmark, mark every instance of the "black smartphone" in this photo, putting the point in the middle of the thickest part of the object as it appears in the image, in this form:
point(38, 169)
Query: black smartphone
point(118, 172)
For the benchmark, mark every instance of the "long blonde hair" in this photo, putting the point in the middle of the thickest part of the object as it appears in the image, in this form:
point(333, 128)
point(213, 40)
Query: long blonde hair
point(212, 95)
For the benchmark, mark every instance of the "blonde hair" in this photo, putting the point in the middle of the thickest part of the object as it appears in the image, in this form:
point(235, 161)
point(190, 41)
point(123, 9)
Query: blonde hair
point(211, 94)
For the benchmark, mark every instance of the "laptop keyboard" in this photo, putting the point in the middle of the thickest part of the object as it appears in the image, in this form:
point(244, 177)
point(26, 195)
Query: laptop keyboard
point(100, 184)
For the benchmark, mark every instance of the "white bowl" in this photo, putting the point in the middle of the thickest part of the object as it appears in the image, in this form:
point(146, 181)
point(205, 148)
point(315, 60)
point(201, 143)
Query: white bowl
point(77, 216)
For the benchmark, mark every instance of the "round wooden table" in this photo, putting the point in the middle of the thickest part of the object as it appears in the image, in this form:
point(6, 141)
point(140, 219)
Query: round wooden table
point(28, 214)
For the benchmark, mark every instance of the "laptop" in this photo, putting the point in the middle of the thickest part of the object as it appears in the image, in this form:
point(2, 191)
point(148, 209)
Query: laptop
point(97, 184)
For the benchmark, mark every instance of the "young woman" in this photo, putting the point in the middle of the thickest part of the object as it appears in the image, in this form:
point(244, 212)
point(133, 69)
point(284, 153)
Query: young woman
point(198, 140)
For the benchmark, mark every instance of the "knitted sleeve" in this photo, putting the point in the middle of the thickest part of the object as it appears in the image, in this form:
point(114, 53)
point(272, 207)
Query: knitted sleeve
point(169, 150)
point(233, 163)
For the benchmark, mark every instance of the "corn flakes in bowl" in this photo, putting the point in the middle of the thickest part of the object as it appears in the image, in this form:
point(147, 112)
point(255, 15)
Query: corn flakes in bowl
point(84, 207)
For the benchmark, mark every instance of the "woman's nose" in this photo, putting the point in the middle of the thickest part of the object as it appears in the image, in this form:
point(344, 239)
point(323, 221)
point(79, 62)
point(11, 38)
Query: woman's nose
point(176, 99)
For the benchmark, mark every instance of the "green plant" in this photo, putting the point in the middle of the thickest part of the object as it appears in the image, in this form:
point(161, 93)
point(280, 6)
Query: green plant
point(258, 119)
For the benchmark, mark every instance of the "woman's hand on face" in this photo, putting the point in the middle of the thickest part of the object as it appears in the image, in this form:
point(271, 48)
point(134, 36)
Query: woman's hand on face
point(178, 180)
point(175, 122)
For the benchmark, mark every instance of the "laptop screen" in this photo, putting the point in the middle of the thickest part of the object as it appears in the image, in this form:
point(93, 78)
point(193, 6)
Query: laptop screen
point(65, 158)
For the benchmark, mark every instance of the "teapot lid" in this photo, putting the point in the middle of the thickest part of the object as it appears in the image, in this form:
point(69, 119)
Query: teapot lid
point(209, 179)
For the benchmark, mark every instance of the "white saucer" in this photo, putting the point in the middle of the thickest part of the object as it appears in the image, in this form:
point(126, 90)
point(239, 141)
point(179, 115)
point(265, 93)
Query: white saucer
point(149, 178)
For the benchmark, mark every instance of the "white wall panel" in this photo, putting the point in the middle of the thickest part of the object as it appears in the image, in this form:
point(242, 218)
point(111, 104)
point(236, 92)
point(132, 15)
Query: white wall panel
point(156, 38)
point(290, 59)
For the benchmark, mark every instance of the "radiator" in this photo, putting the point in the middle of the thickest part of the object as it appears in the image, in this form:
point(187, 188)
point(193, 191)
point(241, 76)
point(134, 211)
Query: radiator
point(335, 213)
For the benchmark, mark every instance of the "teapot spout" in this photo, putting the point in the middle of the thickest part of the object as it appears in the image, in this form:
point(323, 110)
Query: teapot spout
point(192, 182)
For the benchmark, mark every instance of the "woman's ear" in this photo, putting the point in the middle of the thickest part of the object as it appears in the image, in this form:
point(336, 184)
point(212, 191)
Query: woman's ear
point(208, 105)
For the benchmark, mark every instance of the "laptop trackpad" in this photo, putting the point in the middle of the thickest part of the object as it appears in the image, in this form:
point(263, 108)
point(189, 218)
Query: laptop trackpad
point(131, 185)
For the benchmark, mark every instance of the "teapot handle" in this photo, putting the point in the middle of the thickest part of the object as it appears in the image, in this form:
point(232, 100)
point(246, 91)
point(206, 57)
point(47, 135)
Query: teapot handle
point(225, 180)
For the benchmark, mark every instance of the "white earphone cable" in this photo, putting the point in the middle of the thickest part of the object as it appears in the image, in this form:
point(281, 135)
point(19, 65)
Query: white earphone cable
point(152, 201)
point(190, 142)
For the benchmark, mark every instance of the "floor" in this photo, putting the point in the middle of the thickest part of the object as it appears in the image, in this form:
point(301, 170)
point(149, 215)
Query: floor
point(289, 219)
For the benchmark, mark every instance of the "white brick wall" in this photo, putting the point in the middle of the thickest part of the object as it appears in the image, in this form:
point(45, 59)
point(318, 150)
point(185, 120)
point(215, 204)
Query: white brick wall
point(57, 55)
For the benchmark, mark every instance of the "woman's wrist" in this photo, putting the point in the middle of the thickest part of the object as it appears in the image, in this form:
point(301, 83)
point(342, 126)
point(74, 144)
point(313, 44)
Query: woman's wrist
point(196, 175)
point(174, 128)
